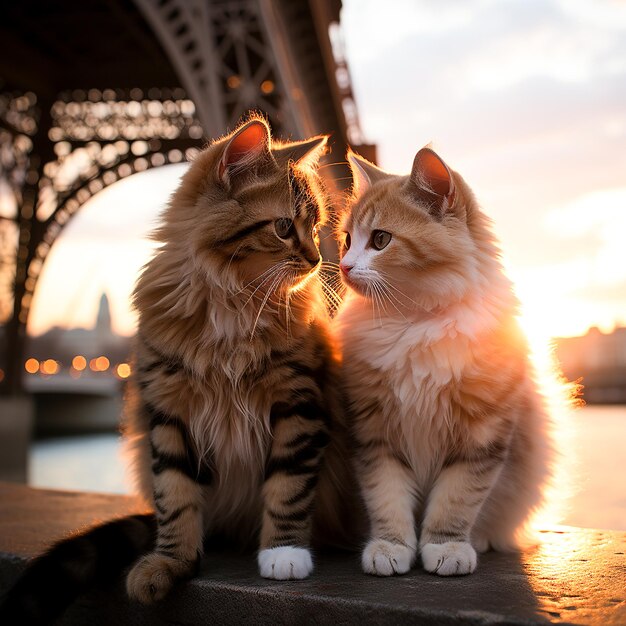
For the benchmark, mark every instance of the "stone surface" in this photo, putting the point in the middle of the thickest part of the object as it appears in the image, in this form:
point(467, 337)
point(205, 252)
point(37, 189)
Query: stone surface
point(576, 576)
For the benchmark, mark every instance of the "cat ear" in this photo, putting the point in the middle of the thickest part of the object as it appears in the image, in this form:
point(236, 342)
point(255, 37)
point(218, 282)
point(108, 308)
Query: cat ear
point(307, 152)
point(433, 180)
point(249, 144)
point(364, 173)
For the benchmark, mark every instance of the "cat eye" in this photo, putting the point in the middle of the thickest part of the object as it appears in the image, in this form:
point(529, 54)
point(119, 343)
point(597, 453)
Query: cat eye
point(283, 227)
point(347, 241)
point(380, 239)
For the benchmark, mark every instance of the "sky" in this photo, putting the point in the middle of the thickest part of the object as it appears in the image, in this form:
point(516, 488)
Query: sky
point(525, 98)
point(102, 250)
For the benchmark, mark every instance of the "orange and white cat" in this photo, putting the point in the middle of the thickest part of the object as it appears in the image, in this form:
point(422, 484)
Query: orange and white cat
point(452, 439)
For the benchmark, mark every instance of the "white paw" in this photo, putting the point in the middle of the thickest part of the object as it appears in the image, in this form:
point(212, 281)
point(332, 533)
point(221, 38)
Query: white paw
point(285, 563)
point(383, 558)
point(454, 558)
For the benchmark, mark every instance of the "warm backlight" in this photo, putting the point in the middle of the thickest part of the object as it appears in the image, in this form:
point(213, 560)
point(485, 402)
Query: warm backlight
point(559, 402)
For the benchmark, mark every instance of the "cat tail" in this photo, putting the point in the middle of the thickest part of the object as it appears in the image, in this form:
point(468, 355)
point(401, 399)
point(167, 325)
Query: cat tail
point(73, 566)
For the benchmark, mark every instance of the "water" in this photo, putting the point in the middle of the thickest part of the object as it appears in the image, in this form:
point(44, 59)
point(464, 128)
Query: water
point(81, 463)
point(94, 463)
point(598, 438)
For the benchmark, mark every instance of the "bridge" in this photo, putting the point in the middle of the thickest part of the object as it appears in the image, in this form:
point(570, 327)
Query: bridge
point(91, 93)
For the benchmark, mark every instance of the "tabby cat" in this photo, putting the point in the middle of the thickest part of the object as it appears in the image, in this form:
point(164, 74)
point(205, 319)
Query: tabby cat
point(227, 411)
point(452, 438)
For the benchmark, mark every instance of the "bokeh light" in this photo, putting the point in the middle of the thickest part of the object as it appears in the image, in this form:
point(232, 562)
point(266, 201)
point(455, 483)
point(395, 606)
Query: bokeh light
point(31, 366)
point(123, 370)
point(49, 367)
point(79, 363)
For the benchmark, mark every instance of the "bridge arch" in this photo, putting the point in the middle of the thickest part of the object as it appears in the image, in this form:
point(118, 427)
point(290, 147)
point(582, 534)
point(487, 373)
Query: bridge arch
point(73, 201)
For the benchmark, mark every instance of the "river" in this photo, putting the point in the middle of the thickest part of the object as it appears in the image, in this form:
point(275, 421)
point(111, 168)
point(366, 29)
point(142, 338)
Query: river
point(595, 455)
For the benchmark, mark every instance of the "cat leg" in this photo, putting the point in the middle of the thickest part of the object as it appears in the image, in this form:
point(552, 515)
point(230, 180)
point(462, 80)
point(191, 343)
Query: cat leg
point(178, 483)
point(389, 493)
point(300, 437)
point(453, 506)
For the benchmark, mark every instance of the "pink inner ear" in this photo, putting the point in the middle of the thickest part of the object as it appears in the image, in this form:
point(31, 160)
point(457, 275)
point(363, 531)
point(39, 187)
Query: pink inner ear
point(253, 138)
point(433, 172)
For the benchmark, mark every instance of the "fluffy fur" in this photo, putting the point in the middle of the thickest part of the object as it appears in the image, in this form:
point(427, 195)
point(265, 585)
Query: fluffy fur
point(228, 412)
point(453, 440)
point(233, 361)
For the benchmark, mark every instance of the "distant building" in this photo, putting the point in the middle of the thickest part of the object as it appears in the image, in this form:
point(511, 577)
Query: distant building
point(599, 359)
point(64, 344)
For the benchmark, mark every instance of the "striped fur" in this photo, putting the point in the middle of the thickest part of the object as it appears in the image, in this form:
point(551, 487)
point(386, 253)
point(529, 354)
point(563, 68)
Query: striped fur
point(453, 440)
point(228, 412)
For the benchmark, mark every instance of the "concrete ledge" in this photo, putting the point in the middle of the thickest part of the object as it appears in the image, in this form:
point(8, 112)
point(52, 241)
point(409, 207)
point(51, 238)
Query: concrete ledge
point(577, 576)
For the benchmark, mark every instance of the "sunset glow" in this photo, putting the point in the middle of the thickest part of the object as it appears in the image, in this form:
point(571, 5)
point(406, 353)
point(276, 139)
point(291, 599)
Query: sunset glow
point(81, 267)
point(102, 250)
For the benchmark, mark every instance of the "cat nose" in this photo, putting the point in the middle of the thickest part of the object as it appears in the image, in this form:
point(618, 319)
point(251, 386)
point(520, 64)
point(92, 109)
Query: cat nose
point(345, 268)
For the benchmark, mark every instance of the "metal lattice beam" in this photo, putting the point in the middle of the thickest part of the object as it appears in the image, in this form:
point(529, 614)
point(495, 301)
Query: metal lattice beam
point(76, 114)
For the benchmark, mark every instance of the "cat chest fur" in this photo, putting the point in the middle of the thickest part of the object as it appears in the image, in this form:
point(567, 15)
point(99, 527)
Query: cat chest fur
point(229, 419)
point(412, 373)
point(415, 361)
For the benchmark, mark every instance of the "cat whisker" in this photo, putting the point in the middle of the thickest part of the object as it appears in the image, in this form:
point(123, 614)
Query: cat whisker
point(332, 294)
point(332, 285)
point(269, 275)
point(245, 287)
point(390, 285)
point(288, 296)
point(259, 286)
point(372, 294)
point(277, 280)
point(288, 311)
point(382, 309)
point(388, 296)
point(233, 256)
point(334, 164)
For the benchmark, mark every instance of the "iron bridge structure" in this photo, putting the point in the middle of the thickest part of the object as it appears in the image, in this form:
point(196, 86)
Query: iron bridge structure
point(93, 92)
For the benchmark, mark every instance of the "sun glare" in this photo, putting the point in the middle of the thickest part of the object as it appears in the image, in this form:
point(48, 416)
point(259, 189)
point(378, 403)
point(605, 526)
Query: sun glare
point(559, 398)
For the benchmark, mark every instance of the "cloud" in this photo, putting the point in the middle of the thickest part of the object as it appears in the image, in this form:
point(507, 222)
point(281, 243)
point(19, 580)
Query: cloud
point(545, 137)
point(599, 217)
point(428, 80)
point(610, 294)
